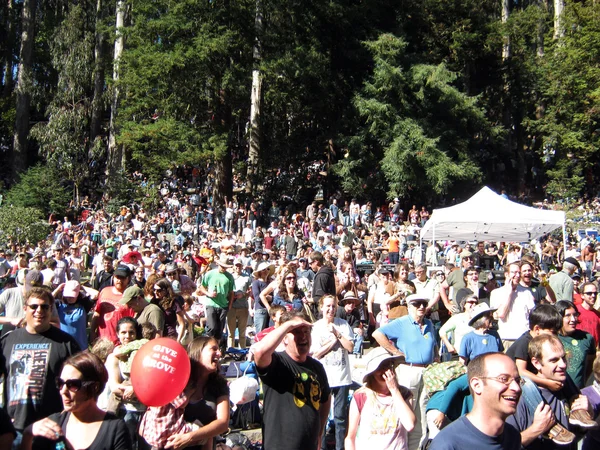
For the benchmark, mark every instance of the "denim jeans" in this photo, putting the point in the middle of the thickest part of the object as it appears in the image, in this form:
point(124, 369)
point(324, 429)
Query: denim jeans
point(132, 420)
point(341, 404)
point(531, 396)
point(358, 342)
point(261, 319)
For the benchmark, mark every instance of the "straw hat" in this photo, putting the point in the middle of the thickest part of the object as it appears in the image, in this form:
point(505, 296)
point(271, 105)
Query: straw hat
point(224, 261)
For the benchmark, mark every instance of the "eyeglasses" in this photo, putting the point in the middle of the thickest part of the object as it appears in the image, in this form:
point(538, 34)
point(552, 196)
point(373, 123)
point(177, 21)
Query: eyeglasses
point(419, 305)
point(591, 294)
point(574, 315)
point(506, 380)
point(73, 385)
point(34, 307)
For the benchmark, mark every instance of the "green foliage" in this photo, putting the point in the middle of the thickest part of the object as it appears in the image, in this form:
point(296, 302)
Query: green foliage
point(41, 188)
point(184, 78)
point(64, 139)
point(418, 127)
point(21, 225)
point(565, 180)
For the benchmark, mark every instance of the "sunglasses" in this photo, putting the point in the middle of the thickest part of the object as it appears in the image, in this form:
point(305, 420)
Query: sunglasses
point(34, 307)
point(158, 289)
point(73, 385)
point(419, 304)
point(290, 278)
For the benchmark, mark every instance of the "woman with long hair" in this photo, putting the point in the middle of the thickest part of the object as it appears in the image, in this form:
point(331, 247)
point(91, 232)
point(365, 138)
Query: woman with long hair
point(172, 305)
point(81, 424)
point(288, 293)
point(208, 395)
point(381, 414)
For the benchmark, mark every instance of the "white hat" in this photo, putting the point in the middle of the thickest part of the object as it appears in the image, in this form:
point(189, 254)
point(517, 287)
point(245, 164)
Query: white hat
point(224, 260)
point(374, 359)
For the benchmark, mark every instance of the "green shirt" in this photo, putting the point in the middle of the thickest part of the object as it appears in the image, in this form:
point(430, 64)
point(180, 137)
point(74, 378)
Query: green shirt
point(222, 283)
point(577, 347)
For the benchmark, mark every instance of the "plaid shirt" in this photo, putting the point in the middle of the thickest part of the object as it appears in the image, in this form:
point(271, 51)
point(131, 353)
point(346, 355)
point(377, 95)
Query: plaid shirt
point(160, 422)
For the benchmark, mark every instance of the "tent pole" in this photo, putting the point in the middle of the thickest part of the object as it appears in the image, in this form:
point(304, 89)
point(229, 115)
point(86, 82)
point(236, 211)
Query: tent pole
point(564, 230)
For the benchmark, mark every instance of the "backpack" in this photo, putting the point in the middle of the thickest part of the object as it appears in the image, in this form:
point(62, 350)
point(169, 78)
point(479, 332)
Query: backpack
point(437, 376)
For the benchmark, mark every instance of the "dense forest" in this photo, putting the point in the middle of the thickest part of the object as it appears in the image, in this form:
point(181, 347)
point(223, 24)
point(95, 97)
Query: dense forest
point(422, 99)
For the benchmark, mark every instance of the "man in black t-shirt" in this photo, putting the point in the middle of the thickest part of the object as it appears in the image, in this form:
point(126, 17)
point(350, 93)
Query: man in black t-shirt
point(297, 394)
point(31, 359)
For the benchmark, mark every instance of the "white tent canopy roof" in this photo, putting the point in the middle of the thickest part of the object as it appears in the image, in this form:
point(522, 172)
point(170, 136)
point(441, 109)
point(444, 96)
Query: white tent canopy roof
point(488, 216)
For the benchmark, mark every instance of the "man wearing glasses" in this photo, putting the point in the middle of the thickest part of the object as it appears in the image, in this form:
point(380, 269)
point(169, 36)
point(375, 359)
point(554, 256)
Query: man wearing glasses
point(31, 357)
point(413, 337)
point(495, 385)
point(589, 318)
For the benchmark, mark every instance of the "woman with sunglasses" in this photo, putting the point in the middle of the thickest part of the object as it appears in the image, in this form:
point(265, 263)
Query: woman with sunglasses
point(288, 294)
point(458, 325)
point(381, 414)
point(81, 424)
point(172, 305)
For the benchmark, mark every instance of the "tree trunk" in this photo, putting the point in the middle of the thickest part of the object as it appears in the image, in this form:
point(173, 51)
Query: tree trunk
point(223, 179)
point(255, 102)
point(24, 81)
point(115, 162)
point(96, 120)
point(506, 40)
point(559, 6)
point(8, 56)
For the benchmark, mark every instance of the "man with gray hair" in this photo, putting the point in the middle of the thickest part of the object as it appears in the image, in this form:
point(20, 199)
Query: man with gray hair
point(562, 283)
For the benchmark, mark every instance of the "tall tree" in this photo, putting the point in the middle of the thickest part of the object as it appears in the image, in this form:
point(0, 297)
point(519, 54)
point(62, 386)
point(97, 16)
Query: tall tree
point(116, 156)
point(24, 84)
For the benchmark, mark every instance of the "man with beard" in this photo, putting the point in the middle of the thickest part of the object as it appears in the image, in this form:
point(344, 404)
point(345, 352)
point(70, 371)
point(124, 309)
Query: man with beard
point(296, 390)
point(108, 311)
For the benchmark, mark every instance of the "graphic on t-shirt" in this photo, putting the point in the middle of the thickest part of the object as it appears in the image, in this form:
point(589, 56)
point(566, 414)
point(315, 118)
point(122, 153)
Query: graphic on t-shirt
point(28, 368)
point(302, 383)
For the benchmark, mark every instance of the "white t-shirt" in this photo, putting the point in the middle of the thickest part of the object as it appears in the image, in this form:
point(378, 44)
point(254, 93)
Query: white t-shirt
point(516, 321)
point(336, 362)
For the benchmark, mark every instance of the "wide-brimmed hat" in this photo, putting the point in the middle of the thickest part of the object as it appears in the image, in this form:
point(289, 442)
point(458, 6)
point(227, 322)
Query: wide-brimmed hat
point(480, 310)
point(416, 298)
point(374, 359)
point(349, 297)
point(225, 261)
point(170, 268)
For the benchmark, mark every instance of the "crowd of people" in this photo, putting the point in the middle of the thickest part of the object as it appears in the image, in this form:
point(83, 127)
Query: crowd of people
point(305, 293)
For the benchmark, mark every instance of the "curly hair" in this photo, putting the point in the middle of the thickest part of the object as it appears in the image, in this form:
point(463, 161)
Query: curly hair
point(282, 290)
point(167, 300)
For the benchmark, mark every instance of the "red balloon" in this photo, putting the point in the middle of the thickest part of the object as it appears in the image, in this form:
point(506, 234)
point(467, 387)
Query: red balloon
point(160, 371)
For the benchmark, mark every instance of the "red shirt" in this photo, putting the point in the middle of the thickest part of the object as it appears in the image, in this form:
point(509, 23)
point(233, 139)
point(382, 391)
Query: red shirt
point(110, 313)
point(589, 321)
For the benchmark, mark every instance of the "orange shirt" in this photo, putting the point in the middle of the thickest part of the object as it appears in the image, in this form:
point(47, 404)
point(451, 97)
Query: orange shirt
point(393, 242)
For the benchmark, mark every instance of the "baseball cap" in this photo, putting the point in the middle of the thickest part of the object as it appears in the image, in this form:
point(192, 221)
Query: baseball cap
point(123, 271)
point(71, 289)
point(130, 293)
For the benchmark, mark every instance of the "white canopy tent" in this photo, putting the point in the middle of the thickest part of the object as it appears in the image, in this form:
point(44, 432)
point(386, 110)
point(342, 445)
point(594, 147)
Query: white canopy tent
point(488, 216)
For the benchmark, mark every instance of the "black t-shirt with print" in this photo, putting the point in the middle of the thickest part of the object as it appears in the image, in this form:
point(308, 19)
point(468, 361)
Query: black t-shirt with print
point(294, 393)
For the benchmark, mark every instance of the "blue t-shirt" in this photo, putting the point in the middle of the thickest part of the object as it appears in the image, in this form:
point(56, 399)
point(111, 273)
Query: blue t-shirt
point(417, 345)
point(462, 434)
point(474, 344)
